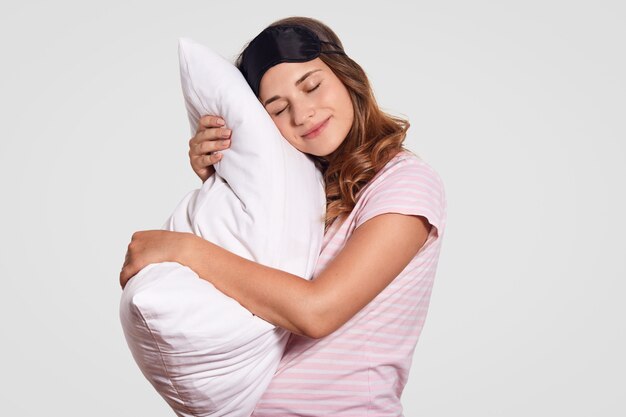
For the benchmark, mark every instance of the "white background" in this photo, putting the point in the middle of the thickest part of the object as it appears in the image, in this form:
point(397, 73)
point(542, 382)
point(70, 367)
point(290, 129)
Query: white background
point(518, 105)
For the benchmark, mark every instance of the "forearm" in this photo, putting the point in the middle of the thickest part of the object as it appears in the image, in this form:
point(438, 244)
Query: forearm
point(276, 296)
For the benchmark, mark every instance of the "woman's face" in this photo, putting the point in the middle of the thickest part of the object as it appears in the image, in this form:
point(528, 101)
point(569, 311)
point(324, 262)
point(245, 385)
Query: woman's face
point(300, 96)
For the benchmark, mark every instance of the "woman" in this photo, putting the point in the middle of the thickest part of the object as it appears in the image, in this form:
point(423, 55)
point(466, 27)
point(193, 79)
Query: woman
point(356, 323)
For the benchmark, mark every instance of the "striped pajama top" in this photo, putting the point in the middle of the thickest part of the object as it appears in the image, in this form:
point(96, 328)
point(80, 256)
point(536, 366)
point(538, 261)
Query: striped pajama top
point(361, 369)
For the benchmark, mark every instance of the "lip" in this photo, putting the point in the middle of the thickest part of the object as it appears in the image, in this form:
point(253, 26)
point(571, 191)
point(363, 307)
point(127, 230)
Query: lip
point(316, 130)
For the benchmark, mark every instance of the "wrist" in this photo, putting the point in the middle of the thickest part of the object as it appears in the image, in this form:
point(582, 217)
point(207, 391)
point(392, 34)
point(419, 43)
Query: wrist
point(188, 250)
point(210, 172)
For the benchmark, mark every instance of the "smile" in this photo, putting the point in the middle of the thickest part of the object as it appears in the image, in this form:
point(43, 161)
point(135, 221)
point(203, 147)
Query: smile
point(317, 131)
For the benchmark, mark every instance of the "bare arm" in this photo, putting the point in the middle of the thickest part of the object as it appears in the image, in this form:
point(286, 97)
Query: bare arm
point(375, 254)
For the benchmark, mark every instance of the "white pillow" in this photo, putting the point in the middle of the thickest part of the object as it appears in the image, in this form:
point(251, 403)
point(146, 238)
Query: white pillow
point(277, 200)
point(202, 351)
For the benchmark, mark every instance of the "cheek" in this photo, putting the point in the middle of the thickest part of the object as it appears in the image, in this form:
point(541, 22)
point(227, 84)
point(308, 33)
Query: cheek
point(329, 95)
point(339, 96)
point(347, 105)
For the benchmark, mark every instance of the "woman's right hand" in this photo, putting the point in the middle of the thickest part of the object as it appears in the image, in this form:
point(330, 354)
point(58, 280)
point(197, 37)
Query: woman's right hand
point(210, 138)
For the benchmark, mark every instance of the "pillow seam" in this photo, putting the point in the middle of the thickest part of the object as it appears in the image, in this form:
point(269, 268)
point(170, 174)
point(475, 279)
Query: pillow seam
point(169, 378)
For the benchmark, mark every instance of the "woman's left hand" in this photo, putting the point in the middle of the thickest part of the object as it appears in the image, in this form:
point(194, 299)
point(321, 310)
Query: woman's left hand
point(153, 246)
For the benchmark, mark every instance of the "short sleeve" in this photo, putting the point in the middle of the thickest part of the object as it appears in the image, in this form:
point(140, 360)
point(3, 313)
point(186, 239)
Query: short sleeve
point(410, 186)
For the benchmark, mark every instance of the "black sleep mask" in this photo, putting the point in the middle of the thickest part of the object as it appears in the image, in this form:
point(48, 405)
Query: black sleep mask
point(281, 43)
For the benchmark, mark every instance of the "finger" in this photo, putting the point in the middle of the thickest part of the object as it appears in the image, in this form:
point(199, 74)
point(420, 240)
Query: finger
point(211, 146)
point(214, 133)
point(209, 121)
point(210, 134)
point(203, 162)
point(210, 159)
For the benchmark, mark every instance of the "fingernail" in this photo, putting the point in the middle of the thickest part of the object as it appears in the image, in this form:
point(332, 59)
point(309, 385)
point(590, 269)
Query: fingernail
point(226, 133)
point(220, 122)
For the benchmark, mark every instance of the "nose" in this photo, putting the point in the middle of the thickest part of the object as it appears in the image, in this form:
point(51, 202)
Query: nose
point(302, 111)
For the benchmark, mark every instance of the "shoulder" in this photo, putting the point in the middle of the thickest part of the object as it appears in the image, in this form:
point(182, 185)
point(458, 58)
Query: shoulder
point(409, 166)
point(406, 184)
point(406, 172)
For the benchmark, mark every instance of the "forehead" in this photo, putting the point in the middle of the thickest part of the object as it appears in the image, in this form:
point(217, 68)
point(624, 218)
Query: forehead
point(287, 73)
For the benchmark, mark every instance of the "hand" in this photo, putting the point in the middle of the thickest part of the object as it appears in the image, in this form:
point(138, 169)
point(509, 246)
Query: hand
point(204, 146)
point(153, 246)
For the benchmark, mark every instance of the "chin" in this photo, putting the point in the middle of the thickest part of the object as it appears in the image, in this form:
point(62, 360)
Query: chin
point(324, 152)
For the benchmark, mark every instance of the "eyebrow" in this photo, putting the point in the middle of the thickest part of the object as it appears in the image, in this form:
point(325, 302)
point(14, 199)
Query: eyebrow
point(269, 100)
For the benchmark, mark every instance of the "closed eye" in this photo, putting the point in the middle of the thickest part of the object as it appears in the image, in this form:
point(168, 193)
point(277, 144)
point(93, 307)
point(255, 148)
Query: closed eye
point(314, 88)
point(311, 90)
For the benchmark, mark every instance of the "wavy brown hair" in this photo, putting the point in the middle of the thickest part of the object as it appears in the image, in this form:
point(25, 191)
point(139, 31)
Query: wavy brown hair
point(374, 138)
